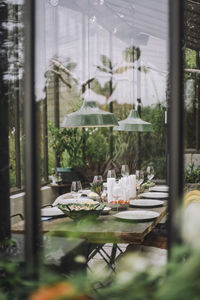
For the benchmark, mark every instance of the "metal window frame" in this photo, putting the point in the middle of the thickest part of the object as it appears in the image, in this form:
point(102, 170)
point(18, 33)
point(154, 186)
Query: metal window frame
point(4, 146)
point(175, 118)
point(175, 150)
point(33, 240)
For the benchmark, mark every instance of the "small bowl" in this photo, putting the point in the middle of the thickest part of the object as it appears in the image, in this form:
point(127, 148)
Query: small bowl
point(78, 211)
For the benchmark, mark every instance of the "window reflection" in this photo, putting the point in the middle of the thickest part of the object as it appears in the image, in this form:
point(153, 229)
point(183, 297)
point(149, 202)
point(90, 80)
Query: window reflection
point(123, 46)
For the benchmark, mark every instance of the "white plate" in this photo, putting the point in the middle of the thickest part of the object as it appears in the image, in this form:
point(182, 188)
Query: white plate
point(137, 215)
point(146, 203)
point(154, 195)
point(51, 212)
point(159, 188)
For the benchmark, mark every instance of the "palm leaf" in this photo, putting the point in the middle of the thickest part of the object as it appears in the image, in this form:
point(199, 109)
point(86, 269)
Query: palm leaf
point(131, 55)
point(106, 62)
point(121, 70)
point(102, 69)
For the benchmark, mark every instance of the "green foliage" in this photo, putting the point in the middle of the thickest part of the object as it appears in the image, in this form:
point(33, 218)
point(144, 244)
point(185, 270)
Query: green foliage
point(68, 144)
point(131, 54)
point(135, 279)
point(70, 140)
point(190, 63)
point(153, 145)
point(97, 187)
point(97, 149)
point(192, 174)
point(103, 90)
point(107, 67)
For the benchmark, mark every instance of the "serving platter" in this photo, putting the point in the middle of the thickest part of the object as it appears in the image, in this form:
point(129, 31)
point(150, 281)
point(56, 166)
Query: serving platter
point(137, 215)
point(146, 203)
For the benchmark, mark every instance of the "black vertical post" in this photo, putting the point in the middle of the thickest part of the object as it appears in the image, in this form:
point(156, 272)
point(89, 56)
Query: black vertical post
point(111, 129)
point(4, 148)
point(197, 125)
point(176, 117)
point(17, 100)
point(45, 136)
point(138, 107)
point(83, 56)
point(56, 109)
point(111, 103)
point(31, 149)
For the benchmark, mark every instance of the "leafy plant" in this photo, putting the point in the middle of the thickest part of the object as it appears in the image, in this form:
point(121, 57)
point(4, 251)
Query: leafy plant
point(110, 69)
point(192, 174)
point(97, 187)
point(153, 145)
point(70, 140)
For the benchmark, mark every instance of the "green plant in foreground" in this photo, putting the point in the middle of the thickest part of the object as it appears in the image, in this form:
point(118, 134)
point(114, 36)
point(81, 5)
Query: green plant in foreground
point(135, 279)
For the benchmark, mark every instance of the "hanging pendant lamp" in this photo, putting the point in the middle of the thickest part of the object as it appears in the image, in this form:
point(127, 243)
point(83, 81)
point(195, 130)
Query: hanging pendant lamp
point(134, 123)
point(89, 115)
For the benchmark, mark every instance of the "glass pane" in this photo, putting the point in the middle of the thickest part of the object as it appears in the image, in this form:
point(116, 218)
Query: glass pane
point(15, 69)
point(122, 48)
point(192, 98)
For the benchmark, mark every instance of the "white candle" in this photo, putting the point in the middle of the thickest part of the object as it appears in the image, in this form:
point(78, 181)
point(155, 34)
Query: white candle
point(132, 186)
point(110, 183)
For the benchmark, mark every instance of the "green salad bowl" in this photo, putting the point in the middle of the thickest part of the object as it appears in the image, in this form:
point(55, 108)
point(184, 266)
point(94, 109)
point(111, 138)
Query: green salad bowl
point(78, 211)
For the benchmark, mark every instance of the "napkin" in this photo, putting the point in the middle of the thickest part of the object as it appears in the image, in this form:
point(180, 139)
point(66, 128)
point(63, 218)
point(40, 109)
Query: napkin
point(110, 184)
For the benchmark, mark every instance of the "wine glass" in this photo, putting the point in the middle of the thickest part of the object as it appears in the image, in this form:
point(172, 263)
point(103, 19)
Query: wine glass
point(111, 174)
point(150, 173)
point(139, 178)
point(116, 192)
point(76, 189)
point(97, 178)
point(124, 170)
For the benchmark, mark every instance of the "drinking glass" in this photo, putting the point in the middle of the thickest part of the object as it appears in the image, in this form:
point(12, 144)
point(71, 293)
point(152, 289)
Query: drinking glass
point(116, 193)
point(76, 189)
point(150, 173)
point(124, 170)
point(111, 174)
point(139, 178)
point(97, 178)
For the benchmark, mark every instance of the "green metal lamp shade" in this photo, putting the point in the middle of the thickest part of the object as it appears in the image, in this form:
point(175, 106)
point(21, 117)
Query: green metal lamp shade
point(89, 115)
point(134, 123)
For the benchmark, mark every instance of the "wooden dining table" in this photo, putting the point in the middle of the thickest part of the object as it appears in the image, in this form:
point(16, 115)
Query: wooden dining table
point(106, 229)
